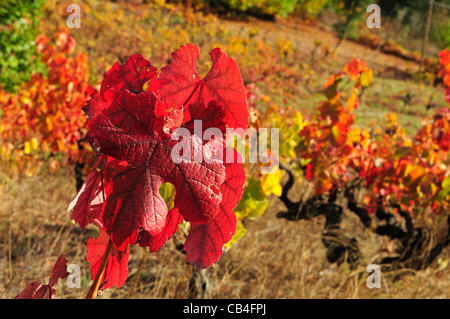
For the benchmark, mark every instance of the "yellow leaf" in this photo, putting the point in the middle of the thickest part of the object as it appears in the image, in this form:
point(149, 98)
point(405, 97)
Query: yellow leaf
point(419, 192)
point(270, 183)
point(61, 145)
point(366, 77)
point(240, 231)
point(27, 148)
point(298, 120)
point(443, 263)
point(34, 144)
point(433, 189)
point(408, 170)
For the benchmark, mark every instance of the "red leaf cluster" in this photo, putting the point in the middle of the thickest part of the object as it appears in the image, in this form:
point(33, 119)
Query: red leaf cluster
point(48, 108)
point(133, 124)
point(390, 165)
point(444, 60)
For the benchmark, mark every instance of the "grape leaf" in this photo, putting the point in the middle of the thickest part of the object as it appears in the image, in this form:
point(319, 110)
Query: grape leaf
point(148, 137)
point(37, 290)
point(116, 271)
point(174, 218)
point(211, 116)
point(223, 84)
point(204, 244)
point(87, 204)
point(354, 68)
point(128, 129)
point(59, 270)
point(132, 191)
point(132, 76)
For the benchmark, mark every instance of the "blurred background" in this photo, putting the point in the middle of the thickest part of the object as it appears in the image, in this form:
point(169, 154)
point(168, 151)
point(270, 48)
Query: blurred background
point(286, 51)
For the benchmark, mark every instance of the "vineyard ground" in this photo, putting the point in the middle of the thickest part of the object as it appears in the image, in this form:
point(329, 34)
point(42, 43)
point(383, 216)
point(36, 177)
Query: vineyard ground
point(275, 259)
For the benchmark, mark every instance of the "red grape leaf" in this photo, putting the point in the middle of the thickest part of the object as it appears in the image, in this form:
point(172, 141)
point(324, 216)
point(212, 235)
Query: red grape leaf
point(233, 186)
point(37, 290)
point(132, 190)
point(444, 57)
point(339, 134)
point(133, 201)
point(174, 218)
point(132, 76)
point(128, 108)
point(204, 244)
point(147, 134)
point(59, 271)
point(222, 84)
point(87, 204)
point(95, 105)
point(354, 68)
point(211, 116)
point(116, 271)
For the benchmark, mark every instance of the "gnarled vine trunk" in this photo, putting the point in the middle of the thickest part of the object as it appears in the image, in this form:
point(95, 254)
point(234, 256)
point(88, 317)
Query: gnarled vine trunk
point(418, 246)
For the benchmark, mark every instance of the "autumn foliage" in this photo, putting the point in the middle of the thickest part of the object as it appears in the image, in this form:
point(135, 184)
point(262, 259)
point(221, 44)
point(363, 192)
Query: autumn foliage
point(132, 121)
point(393, 167)
point(444, 60)
point(141, 116)
point(383, 174)
point(45, 118)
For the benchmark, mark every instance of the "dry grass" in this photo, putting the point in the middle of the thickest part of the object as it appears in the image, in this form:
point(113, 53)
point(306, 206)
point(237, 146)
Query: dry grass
point(275, 259)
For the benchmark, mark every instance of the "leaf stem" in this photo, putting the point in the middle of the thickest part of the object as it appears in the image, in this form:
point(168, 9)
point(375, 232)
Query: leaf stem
point(100, 272)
